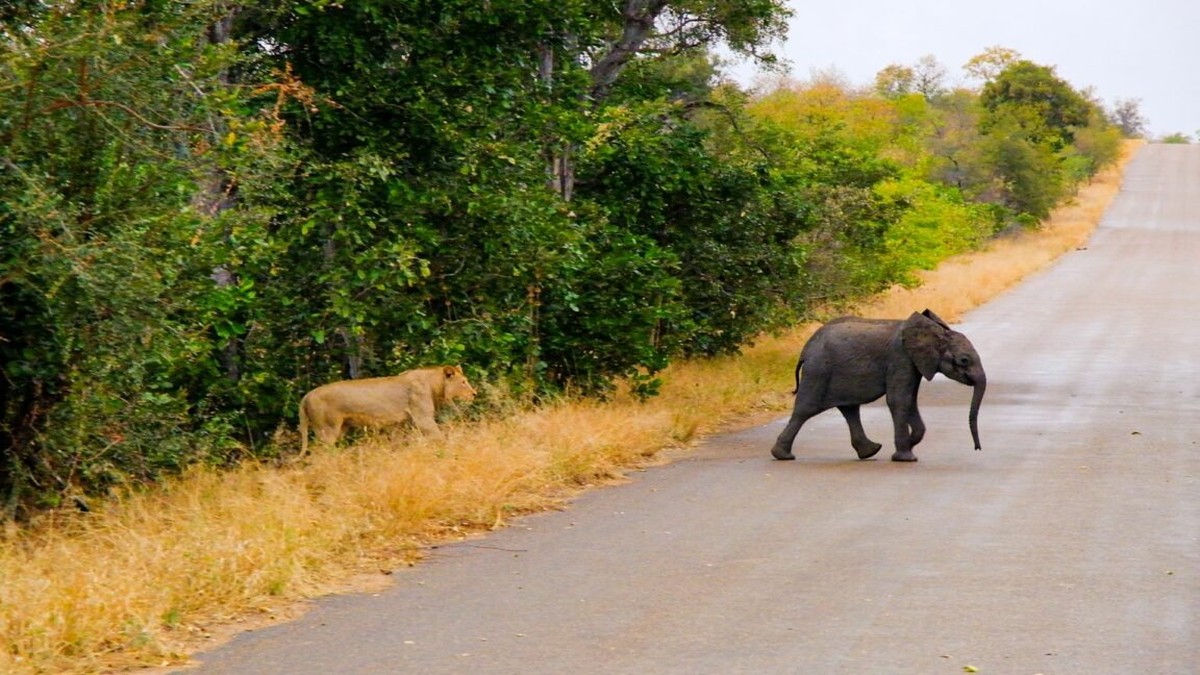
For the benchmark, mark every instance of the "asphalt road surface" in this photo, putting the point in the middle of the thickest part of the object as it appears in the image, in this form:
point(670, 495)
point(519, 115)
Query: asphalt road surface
point(1070, 544)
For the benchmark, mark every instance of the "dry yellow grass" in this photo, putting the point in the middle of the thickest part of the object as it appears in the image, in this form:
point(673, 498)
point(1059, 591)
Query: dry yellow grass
point(147, 577)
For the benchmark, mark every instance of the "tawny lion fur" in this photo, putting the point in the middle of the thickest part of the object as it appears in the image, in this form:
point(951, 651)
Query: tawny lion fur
point(414, 395)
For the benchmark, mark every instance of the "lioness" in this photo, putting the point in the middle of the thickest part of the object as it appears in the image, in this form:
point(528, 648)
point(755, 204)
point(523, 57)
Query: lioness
point(382, 401)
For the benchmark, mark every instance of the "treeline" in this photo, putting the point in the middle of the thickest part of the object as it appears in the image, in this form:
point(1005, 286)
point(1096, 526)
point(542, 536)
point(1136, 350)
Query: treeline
point(207, 208)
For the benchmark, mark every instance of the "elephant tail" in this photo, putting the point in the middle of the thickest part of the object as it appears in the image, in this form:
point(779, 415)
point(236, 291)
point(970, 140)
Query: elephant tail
point(799, 363)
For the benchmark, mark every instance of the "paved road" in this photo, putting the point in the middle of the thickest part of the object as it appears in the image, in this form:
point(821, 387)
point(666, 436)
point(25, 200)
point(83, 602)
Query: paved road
point(1070, 544)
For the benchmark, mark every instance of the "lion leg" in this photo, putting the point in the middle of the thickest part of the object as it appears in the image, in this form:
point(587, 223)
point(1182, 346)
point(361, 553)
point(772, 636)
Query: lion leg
point(427, 425)
point(329, 431)
point(422, 413)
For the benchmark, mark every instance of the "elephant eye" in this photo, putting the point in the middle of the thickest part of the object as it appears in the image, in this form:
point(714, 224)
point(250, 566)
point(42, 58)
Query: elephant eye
point(963, 361)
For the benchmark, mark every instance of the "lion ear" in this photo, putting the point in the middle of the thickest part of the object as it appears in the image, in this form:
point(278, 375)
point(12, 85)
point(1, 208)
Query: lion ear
point(449, 371)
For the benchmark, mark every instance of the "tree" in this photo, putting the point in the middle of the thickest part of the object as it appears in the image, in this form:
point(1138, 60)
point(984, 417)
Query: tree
point(1127, 115)
point(1032, 182)
point(929, 77)
point(109, 324)
point(439, 134)
point(672, 28)
point(1046, 107)
point(722, 220)
point(988, 64)
point(895, 80)
point(957, 156)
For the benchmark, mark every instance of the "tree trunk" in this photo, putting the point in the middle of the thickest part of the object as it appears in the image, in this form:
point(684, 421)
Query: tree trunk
point(218, 194)
point(639, 17)
point(560, 165)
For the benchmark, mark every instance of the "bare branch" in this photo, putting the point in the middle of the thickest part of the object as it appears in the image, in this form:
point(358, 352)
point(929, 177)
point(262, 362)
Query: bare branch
point(92, 103)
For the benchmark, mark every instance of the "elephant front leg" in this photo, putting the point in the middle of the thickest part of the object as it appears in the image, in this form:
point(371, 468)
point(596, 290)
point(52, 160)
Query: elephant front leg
point(909, 428)
point(865, 447)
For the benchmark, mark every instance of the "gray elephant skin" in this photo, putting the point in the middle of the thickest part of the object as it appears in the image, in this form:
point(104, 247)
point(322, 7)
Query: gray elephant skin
point(851, 361)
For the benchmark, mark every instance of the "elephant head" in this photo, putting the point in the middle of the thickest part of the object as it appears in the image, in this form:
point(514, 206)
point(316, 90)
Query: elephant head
point(935, 348)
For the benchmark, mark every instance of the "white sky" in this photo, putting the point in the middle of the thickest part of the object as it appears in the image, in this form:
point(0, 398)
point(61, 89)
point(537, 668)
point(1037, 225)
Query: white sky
point(1137, 49)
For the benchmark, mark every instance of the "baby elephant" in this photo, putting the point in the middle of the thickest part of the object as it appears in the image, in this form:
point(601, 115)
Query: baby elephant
point(852, 361)
point(414, 395)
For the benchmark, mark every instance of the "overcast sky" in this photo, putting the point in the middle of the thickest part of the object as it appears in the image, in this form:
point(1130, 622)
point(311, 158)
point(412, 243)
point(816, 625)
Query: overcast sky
point(1137, 49)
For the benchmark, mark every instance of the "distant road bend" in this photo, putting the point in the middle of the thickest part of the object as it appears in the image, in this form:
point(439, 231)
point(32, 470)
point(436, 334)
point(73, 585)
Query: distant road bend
point(1069, 545)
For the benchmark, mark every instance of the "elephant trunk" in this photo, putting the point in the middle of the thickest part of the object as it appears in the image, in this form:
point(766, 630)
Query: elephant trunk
point(976, 399)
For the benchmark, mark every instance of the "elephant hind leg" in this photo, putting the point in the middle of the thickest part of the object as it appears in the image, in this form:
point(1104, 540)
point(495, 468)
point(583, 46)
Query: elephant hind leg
point(801, 413)
point(865, 447)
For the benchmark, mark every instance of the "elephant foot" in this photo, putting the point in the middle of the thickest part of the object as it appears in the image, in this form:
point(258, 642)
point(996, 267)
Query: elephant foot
point(904, 456)
point(782, 453)
point(868, 450)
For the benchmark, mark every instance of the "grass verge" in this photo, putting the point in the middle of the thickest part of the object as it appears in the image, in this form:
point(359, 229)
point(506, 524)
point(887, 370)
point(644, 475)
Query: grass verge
point(150, 576)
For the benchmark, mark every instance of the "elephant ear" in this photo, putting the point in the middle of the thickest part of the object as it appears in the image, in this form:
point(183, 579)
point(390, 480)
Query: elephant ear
point(921, 337)
point(928, 314)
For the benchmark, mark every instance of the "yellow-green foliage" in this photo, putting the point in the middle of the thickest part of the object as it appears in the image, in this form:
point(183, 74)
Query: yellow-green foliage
point(936, 224)
point(824, 107)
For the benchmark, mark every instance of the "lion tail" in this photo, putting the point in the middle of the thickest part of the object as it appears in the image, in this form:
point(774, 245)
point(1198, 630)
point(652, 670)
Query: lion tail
point(303, 426)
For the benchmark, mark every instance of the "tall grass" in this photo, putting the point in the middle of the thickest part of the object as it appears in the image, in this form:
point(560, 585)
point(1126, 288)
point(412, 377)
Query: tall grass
point(149, 576)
